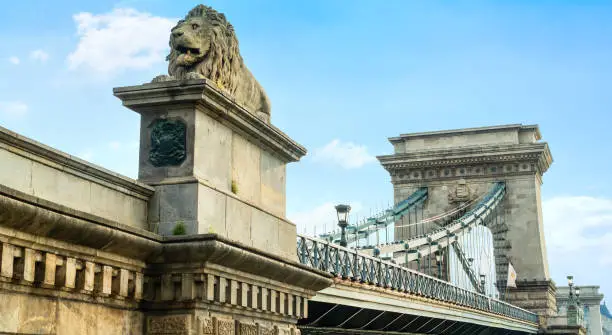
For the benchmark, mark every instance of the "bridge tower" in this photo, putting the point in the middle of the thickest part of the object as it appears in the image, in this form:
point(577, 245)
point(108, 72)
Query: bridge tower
point(460, 165)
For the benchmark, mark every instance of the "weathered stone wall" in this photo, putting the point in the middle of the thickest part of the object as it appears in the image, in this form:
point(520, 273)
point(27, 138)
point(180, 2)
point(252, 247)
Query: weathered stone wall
point(25, 313)
point(60, 287)
point(52, 287)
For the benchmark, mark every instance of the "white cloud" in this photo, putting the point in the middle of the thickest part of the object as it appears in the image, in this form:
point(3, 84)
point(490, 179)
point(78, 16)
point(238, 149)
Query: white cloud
point(13, 109)
point(87, 155)
point(322, 218)
point(346, 154)
point(578, 227)
point(14, 60)
point(115, 145)
point(119, 40)
point(39, 55)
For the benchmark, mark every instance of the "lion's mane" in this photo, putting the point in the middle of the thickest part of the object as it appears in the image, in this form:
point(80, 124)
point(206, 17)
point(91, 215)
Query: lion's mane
point(223, 63)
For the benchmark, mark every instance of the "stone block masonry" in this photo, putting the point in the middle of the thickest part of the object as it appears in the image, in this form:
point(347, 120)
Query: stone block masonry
point(464, 163)
point(230, 178)
point(480, 156)
point(81, 250)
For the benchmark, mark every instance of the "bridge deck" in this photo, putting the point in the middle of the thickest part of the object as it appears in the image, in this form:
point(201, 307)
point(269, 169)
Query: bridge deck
point(349, 307)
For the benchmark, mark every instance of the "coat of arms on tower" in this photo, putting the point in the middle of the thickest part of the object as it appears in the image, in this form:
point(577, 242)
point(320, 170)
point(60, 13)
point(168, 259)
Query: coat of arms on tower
point(462, 192)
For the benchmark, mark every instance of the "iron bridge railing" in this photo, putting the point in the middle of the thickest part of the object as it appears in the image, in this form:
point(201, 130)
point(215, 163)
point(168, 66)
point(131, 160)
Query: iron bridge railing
point(351, 264)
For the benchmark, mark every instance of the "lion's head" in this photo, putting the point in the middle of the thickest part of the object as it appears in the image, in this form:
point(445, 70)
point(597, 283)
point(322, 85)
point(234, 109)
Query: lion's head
point(205, 43)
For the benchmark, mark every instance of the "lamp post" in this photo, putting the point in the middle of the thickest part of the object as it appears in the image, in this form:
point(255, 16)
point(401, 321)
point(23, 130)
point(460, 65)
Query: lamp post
point(482, 282)
point(343, 211)
point(574, 312)
point(570, 283)
point(438, 259)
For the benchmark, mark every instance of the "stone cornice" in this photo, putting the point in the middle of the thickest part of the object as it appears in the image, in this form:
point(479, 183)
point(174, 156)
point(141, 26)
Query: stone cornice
point(44, 154)
point(465, 131)
point(536, 152)
point(215, 249)
point(35, 216)
point(30, 214)
point(215, 102)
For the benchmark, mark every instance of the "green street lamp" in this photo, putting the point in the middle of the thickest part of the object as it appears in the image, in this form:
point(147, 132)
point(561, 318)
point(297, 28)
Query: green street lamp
point(482, 282)
point(343, 212)
point(438, 261)
point(574, 312)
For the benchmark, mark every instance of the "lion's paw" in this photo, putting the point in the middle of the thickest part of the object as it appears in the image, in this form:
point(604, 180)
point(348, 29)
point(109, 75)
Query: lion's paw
point(162, 78)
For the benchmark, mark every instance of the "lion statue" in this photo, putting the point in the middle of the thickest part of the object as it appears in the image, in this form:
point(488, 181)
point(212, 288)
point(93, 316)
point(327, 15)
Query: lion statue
point(204, 45)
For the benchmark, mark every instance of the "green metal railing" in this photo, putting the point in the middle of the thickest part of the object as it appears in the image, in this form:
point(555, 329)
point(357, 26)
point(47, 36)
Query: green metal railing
point(356, 266)
point(351, 264)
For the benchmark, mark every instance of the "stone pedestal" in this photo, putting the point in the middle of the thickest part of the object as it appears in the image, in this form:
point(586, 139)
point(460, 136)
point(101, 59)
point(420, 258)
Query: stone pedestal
point(219, 178)
point(559, 325)
point(535, 296)
point(216, 167)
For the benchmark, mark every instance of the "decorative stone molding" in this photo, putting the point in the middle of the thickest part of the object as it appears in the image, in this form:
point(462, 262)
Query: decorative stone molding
point(169, 325)
point(35, 216)
point(218, 289)
point(495, 161)
point(214, 249)
point(176, 324)
point(56, 271)
point(461, 193)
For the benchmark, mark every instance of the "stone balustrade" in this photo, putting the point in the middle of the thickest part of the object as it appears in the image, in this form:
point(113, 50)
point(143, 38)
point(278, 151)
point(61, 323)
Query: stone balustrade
point(212, 288)
point(51, 270)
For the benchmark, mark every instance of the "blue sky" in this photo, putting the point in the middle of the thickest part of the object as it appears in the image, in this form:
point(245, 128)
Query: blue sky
point(343, 76)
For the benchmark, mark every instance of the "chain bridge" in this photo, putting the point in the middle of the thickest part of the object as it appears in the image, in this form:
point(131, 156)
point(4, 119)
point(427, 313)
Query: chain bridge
point(437, 303)
point(200, 242)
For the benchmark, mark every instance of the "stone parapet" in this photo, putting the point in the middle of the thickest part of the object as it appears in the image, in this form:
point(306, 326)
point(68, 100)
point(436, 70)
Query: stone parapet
point(51, 175)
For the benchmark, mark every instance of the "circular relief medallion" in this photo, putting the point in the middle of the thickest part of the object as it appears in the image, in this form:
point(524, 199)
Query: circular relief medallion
point(168, 142)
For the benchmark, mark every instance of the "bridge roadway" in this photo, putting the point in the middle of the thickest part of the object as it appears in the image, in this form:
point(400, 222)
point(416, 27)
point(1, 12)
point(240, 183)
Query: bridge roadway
point(355, 308)
point(371, 295)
